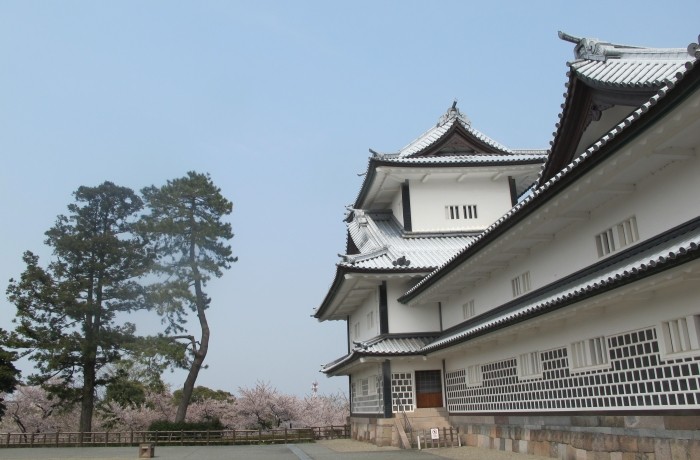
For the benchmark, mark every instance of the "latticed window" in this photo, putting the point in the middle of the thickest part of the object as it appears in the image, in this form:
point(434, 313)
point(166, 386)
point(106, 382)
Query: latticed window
point(589, 353)
point(474, 375)
point(520, 284)
point(681, 335)
point(617, 237)
point(530, 365)
point(468, 309)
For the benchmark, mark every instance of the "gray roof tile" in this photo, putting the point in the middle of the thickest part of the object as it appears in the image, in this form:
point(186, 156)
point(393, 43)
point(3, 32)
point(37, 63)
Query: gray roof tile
point(638, 262)
point(383, 245)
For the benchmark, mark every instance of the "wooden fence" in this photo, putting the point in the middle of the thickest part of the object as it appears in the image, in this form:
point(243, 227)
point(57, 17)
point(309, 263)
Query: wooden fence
point(173, 438)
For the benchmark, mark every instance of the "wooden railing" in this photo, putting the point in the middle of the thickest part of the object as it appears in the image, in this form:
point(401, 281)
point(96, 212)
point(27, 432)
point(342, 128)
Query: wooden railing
point(170, 438)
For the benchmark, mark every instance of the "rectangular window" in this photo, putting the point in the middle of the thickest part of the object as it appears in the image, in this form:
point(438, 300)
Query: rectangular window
point(520, 284)
point(474, 375)
point(356, 330)
point(364, 387)
point(681, 335)
point(530, 365)
point(589, 353)
point(617, 237)
point(464, 211)
point(370, 320)
point(468, 309)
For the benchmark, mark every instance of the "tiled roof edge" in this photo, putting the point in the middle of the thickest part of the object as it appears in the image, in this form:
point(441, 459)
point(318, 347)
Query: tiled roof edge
point(592, 150)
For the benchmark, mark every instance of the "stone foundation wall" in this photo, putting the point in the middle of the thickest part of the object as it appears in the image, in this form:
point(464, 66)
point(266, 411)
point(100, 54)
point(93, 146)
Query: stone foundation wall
point(379, 431)
point(586, 437)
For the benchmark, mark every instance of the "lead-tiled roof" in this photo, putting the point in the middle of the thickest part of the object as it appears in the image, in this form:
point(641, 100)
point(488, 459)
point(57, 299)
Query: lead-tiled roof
point(383, 345)
point(612, 65)
point(383, 245)
point(651, 258)
point(445, 123)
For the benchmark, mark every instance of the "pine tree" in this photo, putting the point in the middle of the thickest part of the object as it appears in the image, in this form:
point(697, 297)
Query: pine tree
point(185, 222)
point(71, 314)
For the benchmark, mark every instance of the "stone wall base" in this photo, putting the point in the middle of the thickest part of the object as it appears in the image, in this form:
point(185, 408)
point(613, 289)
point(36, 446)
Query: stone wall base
point(562, 437)
point(379, 431)
point(586, 437)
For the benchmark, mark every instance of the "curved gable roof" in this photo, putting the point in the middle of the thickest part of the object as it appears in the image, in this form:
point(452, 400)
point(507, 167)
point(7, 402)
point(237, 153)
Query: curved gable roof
point(453, 134)
point(602, 75)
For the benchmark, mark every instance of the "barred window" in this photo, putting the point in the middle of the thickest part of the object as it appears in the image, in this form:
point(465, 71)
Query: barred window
point(617, 237)
point(589, 353)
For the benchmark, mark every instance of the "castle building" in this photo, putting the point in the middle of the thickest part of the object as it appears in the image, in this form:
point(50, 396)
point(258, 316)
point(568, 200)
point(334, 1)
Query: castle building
point(543, 301)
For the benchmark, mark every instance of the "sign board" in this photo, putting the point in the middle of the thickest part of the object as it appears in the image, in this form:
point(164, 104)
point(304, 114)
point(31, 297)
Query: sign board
point(434, 433)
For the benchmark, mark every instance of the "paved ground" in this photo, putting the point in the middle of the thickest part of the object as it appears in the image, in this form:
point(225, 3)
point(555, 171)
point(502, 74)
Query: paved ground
point(323, 450)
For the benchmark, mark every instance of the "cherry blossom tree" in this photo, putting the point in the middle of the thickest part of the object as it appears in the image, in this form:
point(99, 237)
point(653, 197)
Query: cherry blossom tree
point(31, 409)
point(263, 407)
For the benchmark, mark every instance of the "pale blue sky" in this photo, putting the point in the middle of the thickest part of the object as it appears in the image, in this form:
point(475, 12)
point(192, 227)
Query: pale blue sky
point(280, 102)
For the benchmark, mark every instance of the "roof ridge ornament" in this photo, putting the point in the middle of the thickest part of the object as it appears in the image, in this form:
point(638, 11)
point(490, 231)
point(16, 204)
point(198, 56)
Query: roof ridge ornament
point(694, 49)
point(587, 48)
point(453, 112)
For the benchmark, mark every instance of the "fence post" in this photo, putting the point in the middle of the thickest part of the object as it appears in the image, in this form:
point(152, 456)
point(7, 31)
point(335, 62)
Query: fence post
point(285, 435)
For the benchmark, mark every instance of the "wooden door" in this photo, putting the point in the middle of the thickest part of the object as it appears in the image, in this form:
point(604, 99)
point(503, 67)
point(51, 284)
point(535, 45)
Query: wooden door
point(428, 389)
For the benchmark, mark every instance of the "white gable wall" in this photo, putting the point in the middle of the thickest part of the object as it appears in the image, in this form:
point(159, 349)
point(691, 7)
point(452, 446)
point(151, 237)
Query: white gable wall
point(360, 317)
point(429, 199)
point(402, 318)
point(397, 208)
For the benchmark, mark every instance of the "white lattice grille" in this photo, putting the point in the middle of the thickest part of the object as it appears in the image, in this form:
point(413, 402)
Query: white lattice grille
point(637, 378)
point(367, 395)
point(402, 392)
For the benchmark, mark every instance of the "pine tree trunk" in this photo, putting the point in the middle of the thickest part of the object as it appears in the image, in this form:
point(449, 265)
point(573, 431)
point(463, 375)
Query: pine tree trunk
point(87, 402)
point(199, 353)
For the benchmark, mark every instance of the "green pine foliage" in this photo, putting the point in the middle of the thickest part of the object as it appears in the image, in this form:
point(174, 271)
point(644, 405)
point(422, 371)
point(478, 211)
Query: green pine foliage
point(70, 313)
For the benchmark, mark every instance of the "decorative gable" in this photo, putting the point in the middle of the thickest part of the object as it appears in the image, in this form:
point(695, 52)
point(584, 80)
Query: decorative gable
point(452, 136)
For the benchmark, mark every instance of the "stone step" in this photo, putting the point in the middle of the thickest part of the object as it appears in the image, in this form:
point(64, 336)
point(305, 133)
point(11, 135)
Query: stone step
point(421, 419)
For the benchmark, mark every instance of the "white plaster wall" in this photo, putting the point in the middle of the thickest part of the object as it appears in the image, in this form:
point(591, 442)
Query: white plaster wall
point(403, 318)
point(397, 208)
point(371, 370)
point(618, 317)
point(371, 304)
point(415, 364)
point(597, 129)
point(428, 201)
point(660, 202)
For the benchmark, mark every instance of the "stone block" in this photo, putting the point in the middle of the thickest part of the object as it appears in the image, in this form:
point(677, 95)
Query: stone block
point(682, 422)
point(597, 455)
point(693, 448)
point(471, 439)
point(646, 445)
point(612, 421)
point(611, 443)
point(508, 445)
point(522, 446)
point(680, 450)
point(541, 448)
point(653, 422)
point(483, 441)
point(585, 421)
point(627, 444)
point(662, 448)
